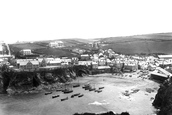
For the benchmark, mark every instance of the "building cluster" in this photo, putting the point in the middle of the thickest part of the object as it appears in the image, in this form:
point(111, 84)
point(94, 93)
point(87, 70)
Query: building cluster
point(101, 59)
point(26, 52)
point(105, 58)
point(56, 44)
point(130, 62)
point(78, 50)
point(34, 64)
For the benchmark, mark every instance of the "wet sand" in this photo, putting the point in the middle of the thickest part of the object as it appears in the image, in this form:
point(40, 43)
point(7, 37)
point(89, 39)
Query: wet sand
point(112, 98)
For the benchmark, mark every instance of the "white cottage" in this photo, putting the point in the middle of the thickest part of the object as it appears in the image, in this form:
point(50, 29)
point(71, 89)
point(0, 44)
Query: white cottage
point(56, 44)
point(26, 52)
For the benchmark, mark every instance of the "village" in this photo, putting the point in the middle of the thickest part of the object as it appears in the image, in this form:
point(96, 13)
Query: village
point(101, 61)
point(126, 76)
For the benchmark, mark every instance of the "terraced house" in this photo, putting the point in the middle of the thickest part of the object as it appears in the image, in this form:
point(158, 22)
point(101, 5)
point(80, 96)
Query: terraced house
point(28, 65)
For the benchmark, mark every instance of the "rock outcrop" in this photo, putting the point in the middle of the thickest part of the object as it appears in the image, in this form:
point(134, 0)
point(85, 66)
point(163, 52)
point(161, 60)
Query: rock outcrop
point(163, 99)
point(26, 80)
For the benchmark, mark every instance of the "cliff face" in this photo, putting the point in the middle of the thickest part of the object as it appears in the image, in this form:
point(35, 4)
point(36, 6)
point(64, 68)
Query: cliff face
point(25, 81)
point(163, 99)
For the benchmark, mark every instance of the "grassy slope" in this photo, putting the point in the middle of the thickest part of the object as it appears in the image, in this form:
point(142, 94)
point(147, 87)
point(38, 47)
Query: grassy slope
point(56, 52)
point(40, 47)
point(15, 48)
point(150, 43)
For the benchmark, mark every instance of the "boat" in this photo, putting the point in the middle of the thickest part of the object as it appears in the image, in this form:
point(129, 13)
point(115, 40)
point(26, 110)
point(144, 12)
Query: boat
point(76, 85)
point(87, 87)
point(67, 91)
point(75, 95)
point(81, 95)
point(59, 90)
point(98, 91)
point(64, 99)
point(92, 89)
point(72, 96)
point(55, 96)
point(101, 87)
point(47, 93)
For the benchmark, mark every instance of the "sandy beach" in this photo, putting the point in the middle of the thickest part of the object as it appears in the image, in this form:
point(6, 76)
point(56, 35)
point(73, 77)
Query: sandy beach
point(120, 94)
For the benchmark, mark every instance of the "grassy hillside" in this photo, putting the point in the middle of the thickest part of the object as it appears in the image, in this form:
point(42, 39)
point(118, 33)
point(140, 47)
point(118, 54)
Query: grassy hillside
point(67, 42)
point(137, 44)
point(41, 47)
point(56, 52)
point(149, 44)
point(15, 48)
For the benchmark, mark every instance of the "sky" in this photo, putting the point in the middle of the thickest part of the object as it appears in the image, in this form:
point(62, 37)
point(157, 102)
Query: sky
point(32, 20)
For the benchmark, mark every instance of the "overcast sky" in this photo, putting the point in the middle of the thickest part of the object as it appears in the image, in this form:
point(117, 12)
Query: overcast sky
point(28, 20)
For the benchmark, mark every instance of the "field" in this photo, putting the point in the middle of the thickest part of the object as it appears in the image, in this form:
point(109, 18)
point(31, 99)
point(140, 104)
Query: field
point(41, 47)
point(55, 52)
point(159, 43)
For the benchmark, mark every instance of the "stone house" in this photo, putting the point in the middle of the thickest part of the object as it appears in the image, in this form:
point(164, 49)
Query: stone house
point(28, 65)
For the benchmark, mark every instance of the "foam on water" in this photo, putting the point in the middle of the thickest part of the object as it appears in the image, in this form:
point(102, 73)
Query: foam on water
point(99, 103)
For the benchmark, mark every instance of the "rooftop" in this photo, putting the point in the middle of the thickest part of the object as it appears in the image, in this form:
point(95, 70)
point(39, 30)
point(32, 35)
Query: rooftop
point(165, 56)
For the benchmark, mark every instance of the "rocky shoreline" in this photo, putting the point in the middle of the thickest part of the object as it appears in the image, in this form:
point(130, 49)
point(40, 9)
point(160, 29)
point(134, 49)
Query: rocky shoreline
point(29, 82)
point(163, 98)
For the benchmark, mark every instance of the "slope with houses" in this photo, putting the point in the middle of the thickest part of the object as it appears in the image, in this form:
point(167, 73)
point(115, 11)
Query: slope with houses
point(95, 56)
